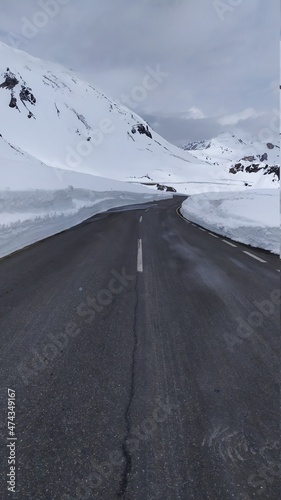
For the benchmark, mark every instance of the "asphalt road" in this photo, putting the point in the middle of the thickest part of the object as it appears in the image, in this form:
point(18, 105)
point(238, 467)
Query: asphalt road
point(144, 356)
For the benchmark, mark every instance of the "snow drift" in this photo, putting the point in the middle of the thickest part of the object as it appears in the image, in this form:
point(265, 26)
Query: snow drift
point(251, 217)
point(37, 201)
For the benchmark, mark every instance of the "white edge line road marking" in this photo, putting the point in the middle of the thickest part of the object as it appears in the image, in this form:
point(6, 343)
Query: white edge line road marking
point(225, 241)
point(139, 262)
point(231, 244)
point(141, 219)
point(255, 257)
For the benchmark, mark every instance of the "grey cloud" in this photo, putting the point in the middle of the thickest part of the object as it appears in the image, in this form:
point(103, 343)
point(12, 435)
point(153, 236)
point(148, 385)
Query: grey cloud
point(219, 67)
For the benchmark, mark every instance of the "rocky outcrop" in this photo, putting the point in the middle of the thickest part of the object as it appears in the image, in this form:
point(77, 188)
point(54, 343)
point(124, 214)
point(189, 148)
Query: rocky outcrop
point(27, 96)
point(263, 157)
point(169, 189)
point(142, 130)
point(248, 158)
point(10, 81)
point(257, 167)
point(237, 168)
point(22, 93)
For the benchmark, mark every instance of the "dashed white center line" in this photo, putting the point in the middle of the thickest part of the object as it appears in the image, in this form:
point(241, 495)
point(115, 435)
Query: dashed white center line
point(229, 243)
point(201, 229)
point(141, 219)
point(254, 257)
point(214, 235)
point(139, 260)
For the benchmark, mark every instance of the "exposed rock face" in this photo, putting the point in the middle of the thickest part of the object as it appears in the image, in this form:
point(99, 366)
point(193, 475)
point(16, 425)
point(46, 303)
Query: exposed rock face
point(142, 130)
point(264, 157)
point(270, 146)
point(237, 168)
point(274, 170)
point(19, 92)
point(248, 158)
point(253, 168)
point(170, 189)
point(26, 95)
point(13, 102)
point(256, 167)
point(10, 81)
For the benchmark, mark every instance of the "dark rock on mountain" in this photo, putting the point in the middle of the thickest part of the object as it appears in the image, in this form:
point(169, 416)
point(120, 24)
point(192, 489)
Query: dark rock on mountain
point(169, 189)
point(253, 168)
point(263, 157)
point(237, 168)
point(26, 95)
point(142, 130)
point(273, 170)
point(248, 158)
point(13, 102)
point(10, 81)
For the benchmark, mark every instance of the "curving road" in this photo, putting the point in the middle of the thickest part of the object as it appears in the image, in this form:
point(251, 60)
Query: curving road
point(144, 356)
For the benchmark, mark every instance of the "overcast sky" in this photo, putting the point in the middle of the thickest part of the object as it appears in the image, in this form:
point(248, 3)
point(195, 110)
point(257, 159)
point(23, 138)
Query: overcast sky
point(218, 59)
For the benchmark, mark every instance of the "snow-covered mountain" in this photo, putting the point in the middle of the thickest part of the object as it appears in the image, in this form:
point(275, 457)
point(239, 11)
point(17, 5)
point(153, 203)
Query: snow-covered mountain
point(254, 162)
point(56, 118)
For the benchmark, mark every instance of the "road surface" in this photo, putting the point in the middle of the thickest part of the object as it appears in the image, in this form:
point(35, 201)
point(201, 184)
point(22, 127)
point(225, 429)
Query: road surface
point(144, 356)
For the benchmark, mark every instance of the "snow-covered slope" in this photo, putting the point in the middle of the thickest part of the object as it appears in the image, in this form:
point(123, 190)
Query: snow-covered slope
point(255, 163)
point(66, 123)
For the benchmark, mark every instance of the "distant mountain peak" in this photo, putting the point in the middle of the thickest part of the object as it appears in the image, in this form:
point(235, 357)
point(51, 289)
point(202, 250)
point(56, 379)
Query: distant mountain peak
point(239, 156)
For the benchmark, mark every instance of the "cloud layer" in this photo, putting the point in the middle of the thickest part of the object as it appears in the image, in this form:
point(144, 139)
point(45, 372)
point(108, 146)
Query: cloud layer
point(221, 57)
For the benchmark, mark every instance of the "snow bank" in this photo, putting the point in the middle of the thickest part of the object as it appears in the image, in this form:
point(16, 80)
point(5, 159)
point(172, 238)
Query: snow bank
point(38, 201)
point(251, 217)
point(30, 216)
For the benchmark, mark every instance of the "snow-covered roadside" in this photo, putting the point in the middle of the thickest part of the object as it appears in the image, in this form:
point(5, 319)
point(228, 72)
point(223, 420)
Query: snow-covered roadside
point(251, 217)
point(30, 216)
point(38, 201)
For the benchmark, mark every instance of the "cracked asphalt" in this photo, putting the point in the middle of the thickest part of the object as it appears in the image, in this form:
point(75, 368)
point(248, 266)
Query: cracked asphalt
point(151, 376)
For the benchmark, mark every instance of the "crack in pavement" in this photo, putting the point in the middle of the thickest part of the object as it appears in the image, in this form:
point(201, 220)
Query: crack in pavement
point(127, 455)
